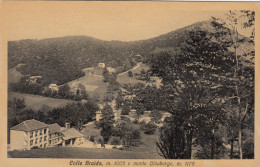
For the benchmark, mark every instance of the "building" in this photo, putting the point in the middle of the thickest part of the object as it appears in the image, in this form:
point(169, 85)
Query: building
point(34, 79)
point(98, 115)
point(29, 134)
point(101, 65)
point(35, 134)
point(71, 136)
point(55, 135)
point(54, 87)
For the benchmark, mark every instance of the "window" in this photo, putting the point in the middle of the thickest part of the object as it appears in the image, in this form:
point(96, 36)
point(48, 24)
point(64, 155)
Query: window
point(45, 145)
point(45, 138)
point(45, 130)
point(31, 142)
point(31, 134)
point(36, 141)
point(40, 139)
point(36, 133)
point(40, 132)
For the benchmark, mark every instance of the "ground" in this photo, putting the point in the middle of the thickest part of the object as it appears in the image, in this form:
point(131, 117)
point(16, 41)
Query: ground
point(84, 153)
point(123, 78)
point(35, 102)
point(94, 84)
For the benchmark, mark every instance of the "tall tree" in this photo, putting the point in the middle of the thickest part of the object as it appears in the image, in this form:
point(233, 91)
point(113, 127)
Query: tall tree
point(106, 122)
point(241, 80)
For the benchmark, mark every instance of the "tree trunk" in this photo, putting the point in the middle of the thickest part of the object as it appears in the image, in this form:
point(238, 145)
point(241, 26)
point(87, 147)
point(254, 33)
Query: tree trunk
point(240, 140)
point(232, 148)
point(212, 156)
point(189, 144)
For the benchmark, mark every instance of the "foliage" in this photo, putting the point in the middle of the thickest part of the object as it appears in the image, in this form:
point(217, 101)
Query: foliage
point(127, 133)
point(148, 128)
point(125, 109)
point(106, 122)
point(130, 74)
point(171, 140)
point(115, 141)
point(156, 116)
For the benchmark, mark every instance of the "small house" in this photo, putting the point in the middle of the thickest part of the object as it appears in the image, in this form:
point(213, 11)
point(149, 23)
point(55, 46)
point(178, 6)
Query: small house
point(101, 65)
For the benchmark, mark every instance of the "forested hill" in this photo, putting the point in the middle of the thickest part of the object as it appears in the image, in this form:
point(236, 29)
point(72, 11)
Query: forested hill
point(61, 59)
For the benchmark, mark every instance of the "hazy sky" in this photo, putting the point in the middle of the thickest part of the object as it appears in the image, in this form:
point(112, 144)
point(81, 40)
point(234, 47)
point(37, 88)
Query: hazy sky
point(103, 21)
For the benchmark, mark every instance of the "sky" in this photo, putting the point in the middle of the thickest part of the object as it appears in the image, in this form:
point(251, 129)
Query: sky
point(124, 21)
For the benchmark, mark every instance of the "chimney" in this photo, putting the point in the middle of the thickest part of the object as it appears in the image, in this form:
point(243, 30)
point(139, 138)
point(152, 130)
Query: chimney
point(67, 125)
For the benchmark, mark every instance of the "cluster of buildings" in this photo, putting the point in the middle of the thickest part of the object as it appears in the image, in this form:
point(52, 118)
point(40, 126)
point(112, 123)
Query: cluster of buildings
point(35, 134)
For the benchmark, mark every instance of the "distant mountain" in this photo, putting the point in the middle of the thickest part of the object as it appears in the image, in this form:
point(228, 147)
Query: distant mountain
point(61, 59)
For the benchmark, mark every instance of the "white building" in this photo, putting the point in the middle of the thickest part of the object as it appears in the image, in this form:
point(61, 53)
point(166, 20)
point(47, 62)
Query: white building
point(101, 65)
point(54, 87)
point(111, 70)
point(33, 133)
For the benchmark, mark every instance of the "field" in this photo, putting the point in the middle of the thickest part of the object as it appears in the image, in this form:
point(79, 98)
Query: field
point(14, 75)
point(123, 78)
point(80, 153)
point(35, 102)
point(93, 83)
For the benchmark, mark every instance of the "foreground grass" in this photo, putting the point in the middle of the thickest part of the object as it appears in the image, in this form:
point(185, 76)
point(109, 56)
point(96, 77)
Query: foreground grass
point(84, 153)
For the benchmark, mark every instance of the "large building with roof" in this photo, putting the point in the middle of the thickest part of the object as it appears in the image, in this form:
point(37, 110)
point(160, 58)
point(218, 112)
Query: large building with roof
point(29, 134)
point(33, 133)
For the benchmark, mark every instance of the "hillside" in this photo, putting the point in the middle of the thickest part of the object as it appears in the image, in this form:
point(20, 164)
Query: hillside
point(60, 60)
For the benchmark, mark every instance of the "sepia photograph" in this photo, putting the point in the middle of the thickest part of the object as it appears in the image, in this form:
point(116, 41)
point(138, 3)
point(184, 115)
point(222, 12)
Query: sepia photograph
point(133, 82)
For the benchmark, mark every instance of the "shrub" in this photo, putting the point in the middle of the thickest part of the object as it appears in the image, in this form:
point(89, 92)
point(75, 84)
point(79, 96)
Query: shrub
point(156, 116)
point(126, 119)
point(115, 141)
point(150, 128)
point(92, 138)
point(97, 124)
point(125, 109)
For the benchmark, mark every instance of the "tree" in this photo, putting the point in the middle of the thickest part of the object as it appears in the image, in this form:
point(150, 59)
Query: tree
point(130, 74)
point(189, 87)
point(106, 122)
point(171, 140)
point(242, 75)
point(64, 91)
point(156, 116)
point(83, 91)
point(149, 128)
point(127, 133)
point(125, 109)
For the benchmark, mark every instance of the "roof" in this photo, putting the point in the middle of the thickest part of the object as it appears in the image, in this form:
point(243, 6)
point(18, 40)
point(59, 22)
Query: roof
point(30, 125)
point(53, 128)
point(53, 85)
point(71, 133)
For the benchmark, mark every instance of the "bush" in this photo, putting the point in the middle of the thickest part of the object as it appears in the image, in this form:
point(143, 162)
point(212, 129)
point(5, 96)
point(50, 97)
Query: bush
point(125, 109)
point(149, 128)
point(156, 116)
point(97, 124)
point(115, 141)
point(92, 138)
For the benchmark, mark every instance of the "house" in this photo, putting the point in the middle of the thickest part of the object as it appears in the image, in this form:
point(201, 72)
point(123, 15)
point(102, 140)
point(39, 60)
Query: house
point(98, 115)
point(111, 70)
point(54, 87)
point(71, 136)
point(55, 136)
point(29, 134)
point(34, 79)
point(33, 133)
point(101, 65)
